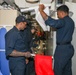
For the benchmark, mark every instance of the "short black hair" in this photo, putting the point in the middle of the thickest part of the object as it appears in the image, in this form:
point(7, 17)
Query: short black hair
point(63, 8)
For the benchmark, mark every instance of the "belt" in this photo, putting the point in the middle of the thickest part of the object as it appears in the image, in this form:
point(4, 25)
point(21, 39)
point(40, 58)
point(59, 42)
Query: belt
point(65, 43)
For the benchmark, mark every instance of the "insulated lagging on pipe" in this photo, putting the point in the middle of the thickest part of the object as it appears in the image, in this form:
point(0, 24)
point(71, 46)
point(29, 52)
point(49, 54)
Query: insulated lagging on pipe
point(4, 67)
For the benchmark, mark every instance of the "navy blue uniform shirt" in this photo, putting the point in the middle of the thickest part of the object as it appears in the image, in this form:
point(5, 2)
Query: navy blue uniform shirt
point(13, 41)
point(27, 37)
point(64, 26)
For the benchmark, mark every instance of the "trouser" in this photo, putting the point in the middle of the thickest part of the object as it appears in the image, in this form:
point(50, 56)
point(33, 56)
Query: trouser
point(30, 70)
point(18, 68)
point(62, 60)
point(17, 71)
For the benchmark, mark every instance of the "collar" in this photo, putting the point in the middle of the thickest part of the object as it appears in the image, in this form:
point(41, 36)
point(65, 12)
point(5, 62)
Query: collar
point(66, 16)
point(15, 28)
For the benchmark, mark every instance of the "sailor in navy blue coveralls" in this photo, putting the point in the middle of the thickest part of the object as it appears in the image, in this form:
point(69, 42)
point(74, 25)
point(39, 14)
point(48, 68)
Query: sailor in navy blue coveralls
point(15, 48)
point(64, 49)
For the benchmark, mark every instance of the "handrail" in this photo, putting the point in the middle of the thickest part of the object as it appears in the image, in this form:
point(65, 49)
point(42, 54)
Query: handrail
point(1, 50)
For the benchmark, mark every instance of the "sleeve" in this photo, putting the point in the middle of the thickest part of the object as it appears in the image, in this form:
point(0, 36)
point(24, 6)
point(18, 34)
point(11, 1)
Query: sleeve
point(55, 23)
point(10, 41)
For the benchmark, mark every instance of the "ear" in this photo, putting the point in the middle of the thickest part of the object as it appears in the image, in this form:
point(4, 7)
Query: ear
point(63, 13)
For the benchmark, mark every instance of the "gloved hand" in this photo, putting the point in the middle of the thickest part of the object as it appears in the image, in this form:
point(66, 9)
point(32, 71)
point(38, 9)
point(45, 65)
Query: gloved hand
point(27, 54)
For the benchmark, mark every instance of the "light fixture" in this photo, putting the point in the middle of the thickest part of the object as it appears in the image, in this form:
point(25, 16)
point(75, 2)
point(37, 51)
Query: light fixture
point(32, 1)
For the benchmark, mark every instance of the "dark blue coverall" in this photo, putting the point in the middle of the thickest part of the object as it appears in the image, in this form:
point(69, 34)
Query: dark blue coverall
point(14, 41)
point(64, 49)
